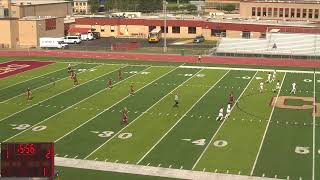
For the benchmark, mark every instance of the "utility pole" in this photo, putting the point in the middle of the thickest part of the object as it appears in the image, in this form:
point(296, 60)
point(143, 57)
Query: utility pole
point(165, 26)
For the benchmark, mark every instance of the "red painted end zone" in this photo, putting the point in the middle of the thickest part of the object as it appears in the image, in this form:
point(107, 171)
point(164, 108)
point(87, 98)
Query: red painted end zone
point(169, 58)
point(14, 67)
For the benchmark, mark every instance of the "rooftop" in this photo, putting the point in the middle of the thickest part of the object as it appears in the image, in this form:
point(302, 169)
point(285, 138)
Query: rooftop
point(37, 18)
point(37, 2)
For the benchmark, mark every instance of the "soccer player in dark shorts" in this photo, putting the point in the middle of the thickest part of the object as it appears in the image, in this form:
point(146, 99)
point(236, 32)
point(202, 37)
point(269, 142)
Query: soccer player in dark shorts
point(75, 79)
point(29, 94)
point(231, 99)
point(125, 116)
point(120, 74)
point(110, 83)
point(131, 89)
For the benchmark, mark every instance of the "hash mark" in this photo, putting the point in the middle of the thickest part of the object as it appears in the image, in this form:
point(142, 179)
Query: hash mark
point(95, 159)
point(239, 172)
point(181, 167)
point(116, 161)
point(263, 175)
point(216, 170)
point(204, 169)
point(170, 166)
point(159, 165)
point(75, 157)
point(106, 160)
point(65, 156)
point(148, 164)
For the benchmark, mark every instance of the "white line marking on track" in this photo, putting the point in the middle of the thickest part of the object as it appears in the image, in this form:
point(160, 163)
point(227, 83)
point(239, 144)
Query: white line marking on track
point(113, 105)
point(183, 115)
point(267, 127)
point(205, 149)
point(138, 117)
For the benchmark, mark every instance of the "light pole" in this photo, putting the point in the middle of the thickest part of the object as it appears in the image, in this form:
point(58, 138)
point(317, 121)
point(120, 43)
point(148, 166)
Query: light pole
point(165, 26)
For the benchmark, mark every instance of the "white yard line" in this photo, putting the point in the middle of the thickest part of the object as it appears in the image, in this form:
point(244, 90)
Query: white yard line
point(53, 96)
point(32, 78)
point(249, 69)
point(44, 86)
point(182, 117)
point(69, 107)
point(195, 164)
point(314, 127)
point(266, 130)
point(112, 106)
point(147, 170)
point(141, 115)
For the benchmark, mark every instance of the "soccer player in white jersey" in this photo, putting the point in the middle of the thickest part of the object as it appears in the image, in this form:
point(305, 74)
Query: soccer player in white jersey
point(274, 74)
point(269, 78)
point(277, 87)
point(261, 87)
point(294, 88)
point(228, 111)
point(220, 115)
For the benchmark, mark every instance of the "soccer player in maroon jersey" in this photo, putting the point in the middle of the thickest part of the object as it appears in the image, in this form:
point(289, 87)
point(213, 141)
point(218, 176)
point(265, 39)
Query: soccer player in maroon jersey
point(110, 83)
point(120, 74)
point(231, 99)
point(75, 79)
point(131, 89)
point(29, 94)
point(125, 116)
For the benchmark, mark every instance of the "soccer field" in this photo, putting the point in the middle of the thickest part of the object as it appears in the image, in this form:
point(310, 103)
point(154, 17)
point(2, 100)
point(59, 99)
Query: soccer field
point(268, 134)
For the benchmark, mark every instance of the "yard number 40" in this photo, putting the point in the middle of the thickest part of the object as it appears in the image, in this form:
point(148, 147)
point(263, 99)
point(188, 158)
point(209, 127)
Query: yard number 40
point(303, 150)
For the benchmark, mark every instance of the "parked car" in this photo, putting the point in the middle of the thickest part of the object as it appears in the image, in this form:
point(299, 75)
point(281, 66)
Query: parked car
point(96, 35)
point(198, 39)
point(48, 42)
point(86, 36)
point(72, 39)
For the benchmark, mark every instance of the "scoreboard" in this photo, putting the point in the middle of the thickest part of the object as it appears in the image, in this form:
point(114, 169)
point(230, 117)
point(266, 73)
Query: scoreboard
point(27, 160)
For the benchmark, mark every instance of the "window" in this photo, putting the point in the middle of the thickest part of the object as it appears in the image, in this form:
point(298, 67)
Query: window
point(269, 12)
point(259, 11)
point(304, 13)
point(275, 12)
point(192, 30)
point(253, 11)
point(316, 13)
point(76, 4)
point(286, 12)
point(310, 13)
point(298, 13)
point(280, 12)
point(152, 28)
point(292, 12)
point(162, 29)
point(246, 34)
point(102, 28)
point(264, 12)
point(218, 32)
point(111, 28)
point(175, 29)
point(6, 12)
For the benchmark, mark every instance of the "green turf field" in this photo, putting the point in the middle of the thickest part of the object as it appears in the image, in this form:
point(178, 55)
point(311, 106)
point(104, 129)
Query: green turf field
point(268, 134)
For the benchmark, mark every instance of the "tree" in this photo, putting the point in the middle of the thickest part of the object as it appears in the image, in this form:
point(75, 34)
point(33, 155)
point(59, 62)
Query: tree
point(191, 7)
point(94, 5)
point(229, 7)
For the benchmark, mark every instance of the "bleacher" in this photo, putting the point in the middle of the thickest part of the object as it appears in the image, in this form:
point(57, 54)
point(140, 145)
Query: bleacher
point(296, 44)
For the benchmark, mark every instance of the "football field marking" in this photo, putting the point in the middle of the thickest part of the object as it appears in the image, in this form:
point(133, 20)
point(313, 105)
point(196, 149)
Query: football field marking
point(183, 116)
point(141, 115)
point(266, 130)
point(314, 126)
point(31, 78)
point(69, 107)
point(52, 97)
point(205, 149)
point(114, 105)
point(5, 101)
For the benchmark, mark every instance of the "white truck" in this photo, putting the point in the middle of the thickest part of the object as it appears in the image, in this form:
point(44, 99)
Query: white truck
point(49, 42)
point(86, 36)
point(72, 40)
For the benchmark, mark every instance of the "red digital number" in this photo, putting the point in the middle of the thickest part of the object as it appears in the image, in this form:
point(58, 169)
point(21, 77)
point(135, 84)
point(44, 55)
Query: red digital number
point(26, 149)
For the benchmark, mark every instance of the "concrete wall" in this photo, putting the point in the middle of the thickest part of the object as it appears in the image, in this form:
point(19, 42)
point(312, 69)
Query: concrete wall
point(8, 37)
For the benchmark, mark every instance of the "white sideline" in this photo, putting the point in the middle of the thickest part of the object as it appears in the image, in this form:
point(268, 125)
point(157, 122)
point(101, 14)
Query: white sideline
point(182, 117)
point(68, 107)
point(205, 149)
point(31, 78)
point(265, 132)
point(148, 170)
point(250, 69)
point(314, 128)
point(140, 115)
point(111, 106)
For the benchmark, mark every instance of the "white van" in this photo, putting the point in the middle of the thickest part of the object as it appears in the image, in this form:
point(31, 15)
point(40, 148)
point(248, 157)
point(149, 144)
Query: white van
point(86, 36)
point(72, 39)
point(48, 42)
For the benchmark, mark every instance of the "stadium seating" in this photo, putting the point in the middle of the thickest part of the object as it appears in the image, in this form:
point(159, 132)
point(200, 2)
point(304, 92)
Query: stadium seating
point(286, 44)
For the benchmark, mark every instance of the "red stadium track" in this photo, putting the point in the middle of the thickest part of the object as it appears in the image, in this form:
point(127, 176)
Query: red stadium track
point(14, 67)
point(168, 58)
